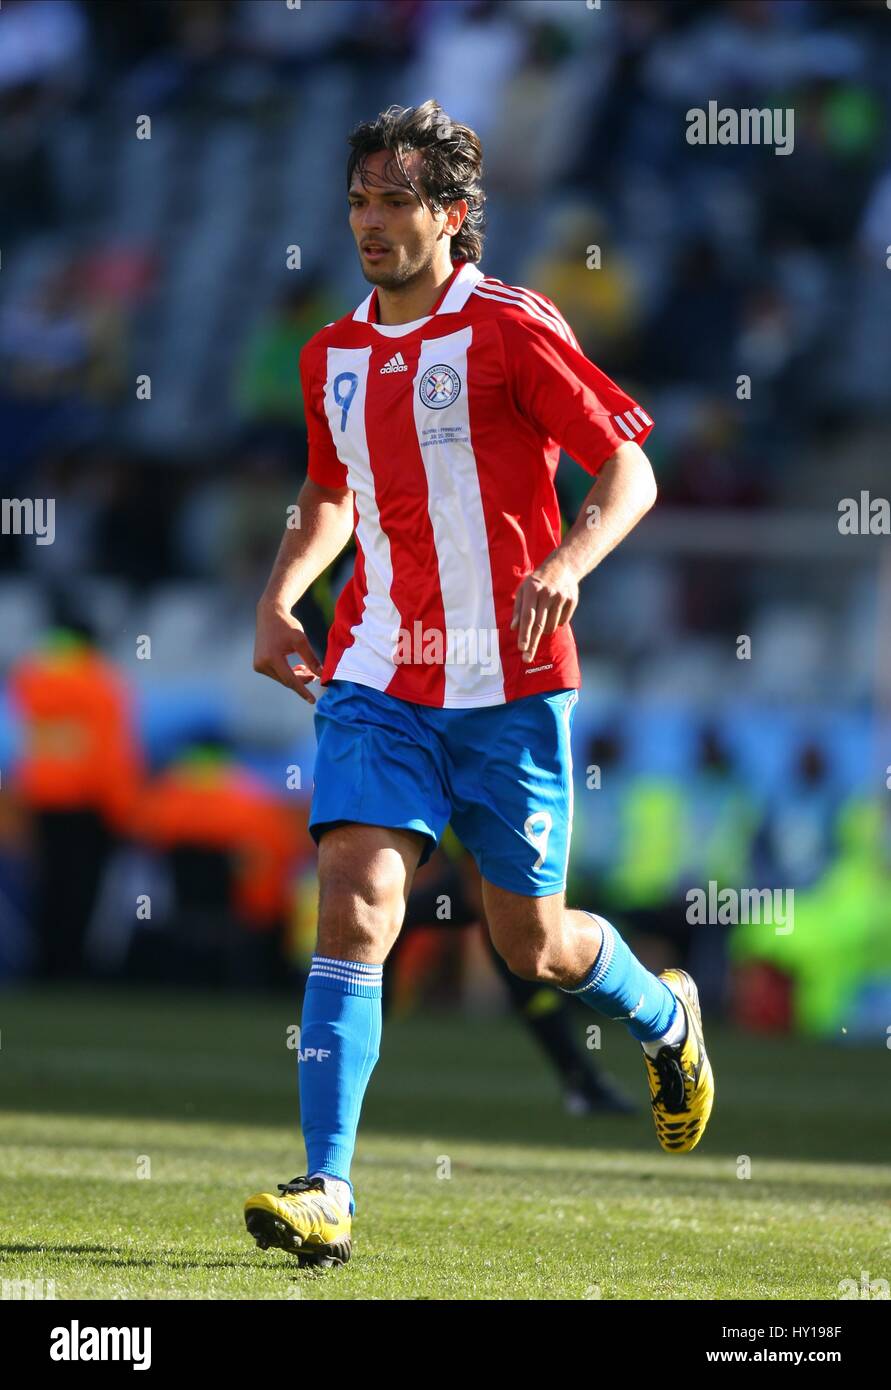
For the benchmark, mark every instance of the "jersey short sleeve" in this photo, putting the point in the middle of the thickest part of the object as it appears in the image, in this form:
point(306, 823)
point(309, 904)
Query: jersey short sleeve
point(565, 396)
point(323, 466)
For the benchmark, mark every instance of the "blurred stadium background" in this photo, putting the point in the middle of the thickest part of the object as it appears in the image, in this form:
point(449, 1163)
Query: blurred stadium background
point(154, 797)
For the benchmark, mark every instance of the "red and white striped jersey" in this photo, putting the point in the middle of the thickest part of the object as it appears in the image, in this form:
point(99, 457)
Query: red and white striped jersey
point(448, 430)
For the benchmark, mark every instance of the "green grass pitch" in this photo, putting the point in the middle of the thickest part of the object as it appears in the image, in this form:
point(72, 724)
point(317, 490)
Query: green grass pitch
point(134, 1125)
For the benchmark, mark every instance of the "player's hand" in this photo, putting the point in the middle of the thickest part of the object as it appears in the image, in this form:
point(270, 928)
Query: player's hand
point(546, 599)
point(280, 635)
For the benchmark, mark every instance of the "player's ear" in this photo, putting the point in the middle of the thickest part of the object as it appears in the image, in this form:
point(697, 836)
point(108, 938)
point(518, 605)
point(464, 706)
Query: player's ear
point(456, 212)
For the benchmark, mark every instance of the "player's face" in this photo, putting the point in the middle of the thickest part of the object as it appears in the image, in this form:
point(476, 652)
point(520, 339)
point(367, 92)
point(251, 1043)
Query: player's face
point(396, 234)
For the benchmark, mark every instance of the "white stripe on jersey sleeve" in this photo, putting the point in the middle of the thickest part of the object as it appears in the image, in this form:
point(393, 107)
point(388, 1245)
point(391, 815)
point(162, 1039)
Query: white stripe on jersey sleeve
point(534, 304)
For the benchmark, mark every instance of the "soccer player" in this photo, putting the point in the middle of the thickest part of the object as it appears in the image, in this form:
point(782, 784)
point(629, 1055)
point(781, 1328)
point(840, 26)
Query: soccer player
point(436, 413)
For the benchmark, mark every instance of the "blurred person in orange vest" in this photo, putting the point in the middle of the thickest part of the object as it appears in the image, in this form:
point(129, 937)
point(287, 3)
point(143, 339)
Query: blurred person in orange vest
point(78, 776)
point(207, 804)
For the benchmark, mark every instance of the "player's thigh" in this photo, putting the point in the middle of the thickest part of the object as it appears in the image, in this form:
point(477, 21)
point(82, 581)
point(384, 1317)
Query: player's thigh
point(365, 876)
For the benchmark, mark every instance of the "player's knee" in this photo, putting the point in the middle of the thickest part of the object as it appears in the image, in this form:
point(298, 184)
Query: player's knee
point(359, 914)
point(530, 960)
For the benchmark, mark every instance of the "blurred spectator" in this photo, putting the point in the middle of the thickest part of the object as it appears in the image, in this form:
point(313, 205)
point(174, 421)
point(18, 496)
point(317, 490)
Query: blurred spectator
point(231, 846)
point(605, 298)
point(721, 817)
point(467, 54)
point(693, 332)
point(42, 51)
point(268, 385)
point(62, 358)
point(721, 823)
point(78, 776)
point(602, 779)
point(795, 839)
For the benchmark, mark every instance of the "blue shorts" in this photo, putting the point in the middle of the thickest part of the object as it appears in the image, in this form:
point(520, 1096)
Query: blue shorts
point(501, 774)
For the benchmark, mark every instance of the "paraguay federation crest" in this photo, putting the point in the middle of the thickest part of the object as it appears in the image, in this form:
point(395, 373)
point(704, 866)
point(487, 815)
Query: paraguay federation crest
point(439, 386)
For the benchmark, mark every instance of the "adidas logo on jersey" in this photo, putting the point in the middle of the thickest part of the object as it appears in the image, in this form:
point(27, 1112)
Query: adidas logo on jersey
point(395, 364)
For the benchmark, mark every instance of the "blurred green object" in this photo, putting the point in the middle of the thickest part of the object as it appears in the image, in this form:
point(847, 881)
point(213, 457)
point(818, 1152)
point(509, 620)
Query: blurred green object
point(853, 120)
point(269, 378)
point(841, 928)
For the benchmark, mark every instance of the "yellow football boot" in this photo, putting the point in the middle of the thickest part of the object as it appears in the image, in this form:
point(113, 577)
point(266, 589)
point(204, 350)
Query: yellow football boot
point(682, 1087)
point(304, 1220)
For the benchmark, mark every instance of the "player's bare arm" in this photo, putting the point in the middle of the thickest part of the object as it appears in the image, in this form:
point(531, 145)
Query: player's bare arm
point(624, 491)
point(306, 551)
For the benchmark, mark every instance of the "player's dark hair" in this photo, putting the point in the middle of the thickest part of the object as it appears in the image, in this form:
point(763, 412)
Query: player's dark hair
point(452, 162)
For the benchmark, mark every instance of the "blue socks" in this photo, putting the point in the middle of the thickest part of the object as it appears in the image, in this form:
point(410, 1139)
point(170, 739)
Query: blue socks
point(621, 988)
point(340, 1034)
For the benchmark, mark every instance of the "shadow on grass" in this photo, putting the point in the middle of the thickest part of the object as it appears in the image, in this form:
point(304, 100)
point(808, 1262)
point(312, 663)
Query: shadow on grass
point(106, 1257)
